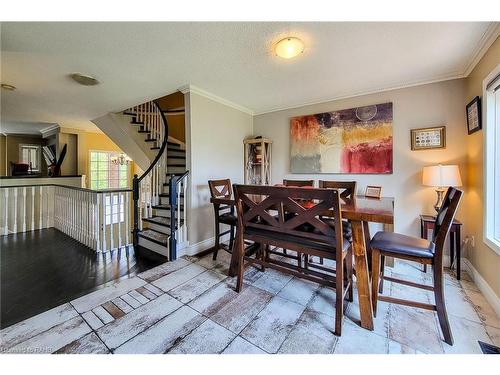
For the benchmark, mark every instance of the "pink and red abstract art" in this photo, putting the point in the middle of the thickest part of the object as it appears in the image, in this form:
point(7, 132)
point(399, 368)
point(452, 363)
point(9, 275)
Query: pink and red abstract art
point(356, 140)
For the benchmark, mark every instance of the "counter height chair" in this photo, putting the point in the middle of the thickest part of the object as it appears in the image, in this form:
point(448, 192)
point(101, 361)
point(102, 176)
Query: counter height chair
point(298, 183)
point(223, 214)
point(306, 232)
point(421, 251)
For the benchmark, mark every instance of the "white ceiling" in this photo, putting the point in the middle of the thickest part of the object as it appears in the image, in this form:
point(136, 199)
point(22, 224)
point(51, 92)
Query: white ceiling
point(235, 61)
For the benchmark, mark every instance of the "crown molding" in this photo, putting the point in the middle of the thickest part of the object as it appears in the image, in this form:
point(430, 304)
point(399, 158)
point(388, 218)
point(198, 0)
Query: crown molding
point(191, 88)
point(488, 38)
point(49, 130)
point(362, 93)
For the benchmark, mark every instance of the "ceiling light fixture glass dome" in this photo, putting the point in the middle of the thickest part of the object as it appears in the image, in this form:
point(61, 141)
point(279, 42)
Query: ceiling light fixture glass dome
point(289, 47)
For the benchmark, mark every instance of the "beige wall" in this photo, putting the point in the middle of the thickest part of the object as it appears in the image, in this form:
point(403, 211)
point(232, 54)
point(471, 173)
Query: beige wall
point(176, 127)
point(416, 107)
point(12, 143)
point(69, 165)
point(3, 160)
point(484, 259)
point(90, 141)
point(215, 134)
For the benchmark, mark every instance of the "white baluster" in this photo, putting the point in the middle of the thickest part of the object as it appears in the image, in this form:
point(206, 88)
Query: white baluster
point(112, 222)
point(15, 210)
point(6, 224)
point(104, 246)
point(32, 208)
point(97, 222)
point(126, 215)
point(120, 205)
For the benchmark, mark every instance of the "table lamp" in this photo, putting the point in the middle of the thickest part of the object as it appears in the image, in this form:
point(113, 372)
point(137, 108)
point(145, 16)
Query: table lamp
point(441, 177)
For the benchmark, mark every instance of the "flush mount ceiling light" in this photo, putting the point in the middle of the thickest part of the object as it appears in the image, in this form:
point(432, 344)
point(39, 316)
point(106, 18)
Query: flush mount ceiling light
point(84, 79)
point(5, 86)
point(289, 47)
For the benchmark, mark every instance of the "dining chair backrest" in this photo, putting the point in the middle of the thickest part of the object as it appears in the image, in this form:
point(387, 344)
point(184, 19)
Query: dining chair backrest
point(444, 219)
point(298, 183)
point(220, 188)
point(347, 188)
point(257, 206)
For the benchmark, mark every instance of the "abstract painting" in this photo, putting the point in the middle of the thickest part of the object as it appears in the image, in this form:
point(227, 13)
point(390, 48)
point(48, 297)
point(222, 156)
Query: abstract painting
point(355, 140)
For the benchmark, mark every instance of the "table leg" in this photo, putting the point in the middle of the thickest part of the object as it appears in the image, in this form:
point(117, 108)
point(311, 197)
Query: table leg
point(458, 241)
point(362, 275)
point(233, 267)
point(452, 249)
point(424, 231)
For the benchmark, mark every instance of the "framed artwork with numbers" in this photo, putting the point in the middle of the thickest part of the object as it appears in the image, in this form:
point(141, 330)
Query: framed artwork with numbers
point(428, 138)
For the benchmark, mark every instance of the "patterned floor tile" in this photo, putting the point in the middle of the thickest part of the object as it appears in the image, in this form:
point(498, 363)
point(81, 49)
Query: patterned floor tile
point(299, 291)
point(466, 335)
point(208, 338)
point(164, 269)
point(92, 320)
point(313, 334)
point(415, 328)
point(53, 339)
point(214, 299)
point(160, 337)
point(242, 346)
point(241, 310)
point(357, 340)
point(135, 322)
point(31, 327)
point(196, 286)
point(484, 310)
point(88, 344)
point(94, 299)
point(272, 325)
point(178, 277)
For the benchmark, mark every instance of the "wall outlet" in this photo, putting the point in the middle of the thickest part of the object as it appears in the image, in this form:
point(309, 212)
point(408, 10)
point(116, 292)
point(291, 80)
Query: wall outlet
point(472, 242)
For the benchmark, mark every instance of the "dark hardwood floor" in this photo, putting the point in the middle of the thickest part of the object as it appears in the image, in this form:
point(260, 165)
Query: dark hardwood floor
point(43, 269)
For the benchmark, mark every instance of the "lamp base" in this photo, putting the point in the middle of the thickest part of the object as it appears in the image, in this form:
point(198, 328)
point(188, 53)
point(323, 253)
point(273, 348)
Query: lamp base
point(439, 201)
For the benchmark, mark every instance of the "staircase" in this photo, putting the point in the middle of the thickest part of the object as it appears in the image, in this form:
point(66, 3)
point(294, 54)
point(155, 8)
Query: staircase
point(158, 194)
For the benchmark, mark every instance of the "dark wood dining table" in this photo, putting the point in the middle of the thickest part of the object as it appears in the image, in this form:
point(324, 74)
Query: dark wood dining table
point(359, 211)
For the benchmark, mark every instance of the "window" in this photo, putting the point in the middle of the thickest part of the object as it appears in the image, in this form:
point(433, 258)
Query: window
point(118, 207)
point(104, 174)
point(30, 154)
point(491, 98)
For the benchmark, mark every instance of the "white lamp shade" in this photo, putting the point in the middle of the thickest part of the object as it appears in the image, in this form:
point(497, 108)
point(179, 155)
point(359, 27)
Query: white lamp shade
point(441, 176)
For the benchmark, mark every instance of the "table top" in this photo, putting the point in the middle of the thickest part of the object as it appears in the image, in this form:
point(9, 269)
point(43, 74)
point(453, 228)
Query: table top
point(360, 208)
point(432, 218)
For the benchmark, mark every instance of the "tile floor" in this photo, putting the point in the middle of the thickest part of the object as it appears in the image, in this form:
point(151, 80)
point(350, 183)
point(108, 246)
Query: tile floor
point(190, 306)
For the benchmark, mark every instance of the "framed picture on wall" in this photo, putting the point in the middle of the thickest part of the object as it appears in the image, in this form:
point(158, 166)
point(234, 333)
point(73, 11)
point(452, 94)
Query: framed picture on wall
point(473, 110)
point(428, 138)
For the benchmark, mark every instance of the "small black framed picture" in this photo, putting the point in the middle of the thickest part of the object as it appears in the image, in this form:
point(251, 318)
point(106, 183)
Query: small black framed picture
point(474, 115)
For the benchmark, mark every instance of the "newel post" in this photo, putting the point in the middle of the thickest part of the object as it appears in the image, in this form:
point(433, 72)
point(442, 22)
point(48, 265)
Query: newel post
point(135, 197)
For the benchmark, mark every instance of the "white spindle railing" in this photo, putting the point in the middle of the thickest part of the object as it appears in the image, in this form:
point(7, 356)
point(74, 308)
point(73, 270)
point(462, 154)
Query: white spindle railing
point(100, 220)
point(151, 186)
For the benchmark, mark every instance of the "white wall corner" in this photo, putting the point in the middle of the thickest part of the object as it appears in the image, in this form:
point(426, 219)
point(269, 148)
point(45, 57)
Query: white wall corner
point(196, 90)
point(483, 286)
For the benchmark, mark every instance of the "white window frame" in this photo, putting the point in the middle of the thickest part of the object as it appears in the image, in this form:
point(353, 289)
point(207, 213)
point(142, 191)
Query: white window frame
point(38, 155)
point(110, 153)
point(491, 139)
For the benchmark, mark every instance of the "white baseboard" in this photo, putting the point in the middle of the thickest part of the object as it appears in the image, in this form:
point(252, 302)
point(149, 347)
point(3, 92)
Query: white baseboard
point(483, 286)
point(200, 246)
